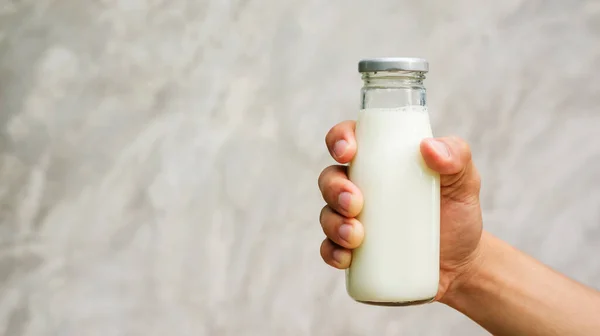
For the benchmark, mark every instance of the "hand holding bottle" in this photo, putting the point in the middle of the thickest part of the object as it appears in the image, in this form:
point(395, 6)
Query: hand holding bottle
point(460, 213)
point(501, 288)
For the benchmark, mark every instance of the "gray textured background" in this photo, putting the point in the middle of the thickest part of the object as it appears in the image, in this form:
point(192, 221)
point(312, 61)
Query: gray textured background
point(158, 158)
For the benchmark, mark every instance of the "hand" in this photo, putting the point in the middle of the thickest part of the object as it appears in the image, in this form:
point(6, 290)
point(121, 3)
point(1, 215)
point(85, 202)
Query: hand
point(461, 222)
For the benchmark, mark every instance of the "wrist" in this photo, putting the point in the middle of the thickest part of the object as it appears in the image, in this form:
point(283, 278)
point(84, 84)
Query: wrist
point(469, 272)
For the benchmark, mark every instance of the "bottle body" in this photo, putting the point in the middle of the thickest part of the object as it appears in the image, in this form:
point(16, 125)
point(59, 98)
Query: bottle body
point(398, 261)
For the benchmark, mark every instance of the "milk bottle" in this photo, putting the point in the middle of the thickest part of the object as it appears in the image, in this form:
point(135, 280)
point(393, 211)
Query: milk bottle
point(398, 261)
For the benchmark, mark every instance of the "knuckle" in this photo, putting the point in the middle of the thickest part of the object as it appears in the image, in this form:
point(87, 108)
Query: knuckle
point(322, 214)
point(462, 147)
point(338, 131)
point(331, 179)
point(333, 132)
point(328, 220)
point(329, 137)
point(329, 192)
point(331, 221)
point(323, 177)
point(463, 144)
point(324, 250)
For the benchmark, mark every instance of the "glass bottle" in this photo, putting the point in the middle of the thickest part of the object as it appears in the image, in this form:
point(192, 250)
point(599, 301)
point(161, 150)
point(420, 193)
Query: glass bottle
point(398, 261)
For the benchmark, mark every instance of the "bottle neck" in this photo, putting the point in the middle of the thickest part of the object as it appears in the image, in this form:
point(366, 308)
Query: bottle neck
point(396, 79)
point(396, 89)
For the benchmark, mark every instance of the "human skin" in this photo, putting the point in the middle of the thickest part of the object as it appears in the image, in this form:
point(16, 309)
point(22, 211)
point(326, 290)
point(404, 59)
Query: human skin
point(502, 289)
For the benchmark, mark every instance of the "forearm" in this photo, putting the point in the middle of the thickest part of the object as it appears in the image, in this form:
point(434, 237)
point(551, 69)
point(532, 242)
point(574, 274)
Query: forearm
point(509, 293)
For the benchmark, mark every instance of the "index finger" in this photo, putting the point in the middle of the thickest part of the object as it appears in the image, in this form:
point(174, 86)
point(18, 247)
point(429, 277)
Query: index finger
point(341, 142)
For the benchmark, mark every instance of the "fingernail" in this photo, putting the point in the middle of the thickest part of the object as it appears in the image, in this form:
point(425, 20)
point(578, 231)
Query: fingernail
point(440, 147)
point(345, 232)
point(340, 148)
point(344, 200)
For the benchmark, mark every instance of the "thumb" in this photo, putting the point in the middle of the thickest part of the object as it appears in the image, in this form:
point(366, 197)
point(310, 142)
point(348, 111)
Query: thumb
point(451, 157)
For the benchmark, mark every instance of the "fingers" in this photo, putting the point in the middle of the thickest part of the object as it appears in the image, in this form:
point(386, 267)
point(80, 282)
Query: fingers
point(345, 232)
point(447, 156)
point(334, 255)
point(340, 194)
point(451, 157)
point(344, 199)
point(341, 142)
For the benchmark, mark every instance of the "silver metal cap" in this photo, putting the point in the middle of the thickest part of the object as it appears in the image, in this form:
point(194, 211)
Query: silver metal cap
point(393, 64)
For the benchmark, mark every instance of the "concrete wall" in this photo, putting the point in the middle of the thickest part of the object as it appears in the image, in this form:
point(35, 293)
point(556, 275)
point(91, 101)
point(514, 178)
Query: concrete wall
point(158, 158)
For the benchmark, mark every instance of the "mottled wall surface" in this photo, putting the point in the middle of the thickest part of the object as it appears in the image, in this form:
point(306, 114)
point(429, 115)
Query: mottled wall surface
point(158, 158)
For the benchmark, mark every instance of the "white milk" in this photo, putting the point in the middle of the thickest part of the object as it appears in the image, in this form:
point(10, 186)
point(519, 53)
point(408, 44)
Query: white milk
point(398, 261)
